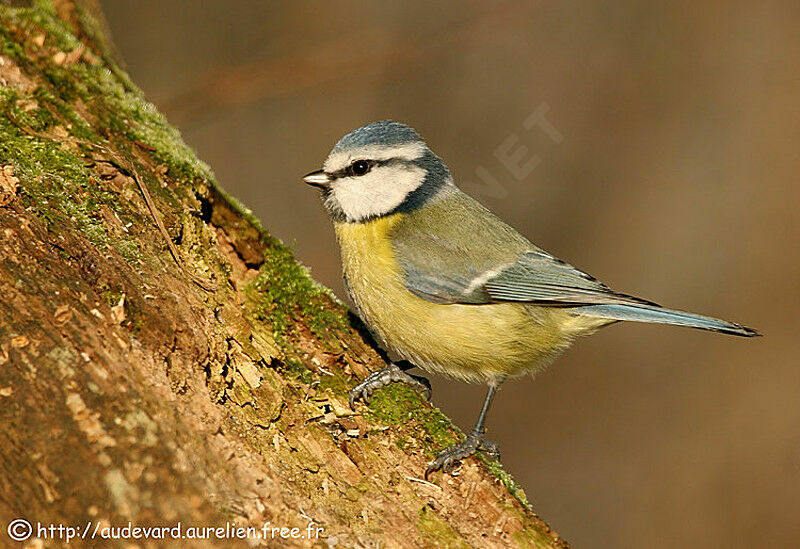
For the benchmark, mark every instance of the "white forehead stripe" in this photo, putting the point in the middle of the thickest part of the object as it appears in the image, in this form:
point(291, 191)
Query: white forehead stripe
point(408, 151)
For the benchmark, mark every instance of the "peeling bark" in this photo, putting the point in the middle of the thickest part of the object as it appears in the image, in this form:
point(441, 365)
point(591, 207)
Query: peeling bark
point(208, 390)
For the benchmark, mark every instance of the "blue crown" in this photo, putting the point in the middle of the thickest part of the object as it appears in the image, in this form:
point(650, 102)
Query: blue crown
point(385, 132)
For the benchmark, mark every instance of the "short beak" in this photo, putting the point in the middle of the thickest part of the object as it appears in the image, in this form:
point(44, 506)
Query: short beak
point(318, 179)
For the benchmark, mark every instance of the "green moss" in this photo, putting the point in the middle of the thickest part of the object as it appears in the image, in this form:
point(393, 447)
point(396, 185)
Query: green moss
point(129, 250)
point(338, 383)
point(62, 82)
point(121, 107)
point(299, 370)
point(110, 295)
point(53, 179)
point(10, 48)
point(43, 17)
point(78, 127)
point(394, 404)
point(398, 404)
point(437, 530)
point(496, 469)
point(531, 537)
point(284, 292)
point(45, 6)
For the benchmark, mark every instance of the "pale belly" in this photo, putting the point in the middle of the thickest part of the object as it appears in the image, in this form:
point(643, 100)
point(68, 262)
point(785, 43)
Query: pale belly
point(472, 342)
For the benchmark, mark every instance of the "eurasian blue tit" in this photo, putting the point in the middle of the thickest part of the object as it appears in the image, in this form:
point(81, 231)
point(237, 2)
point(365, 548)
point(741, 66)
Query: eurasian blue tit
point(446, 285)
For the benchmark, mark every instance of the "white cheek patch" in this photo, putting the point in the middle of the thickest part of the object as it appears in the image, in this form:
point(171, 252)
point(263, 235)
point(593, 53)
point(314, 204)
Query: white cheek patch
point(378, 192)
point(408, 152)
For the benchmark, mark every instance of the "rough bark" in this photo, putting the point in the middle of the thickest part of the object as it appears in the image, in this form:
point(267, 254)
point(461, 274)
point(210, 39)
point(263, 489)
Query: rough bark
point(208, 387)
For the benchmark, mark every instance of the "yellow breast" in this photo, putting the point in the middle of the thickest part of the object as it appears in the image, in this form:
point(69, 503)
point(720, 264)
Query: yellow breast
point(474, 342)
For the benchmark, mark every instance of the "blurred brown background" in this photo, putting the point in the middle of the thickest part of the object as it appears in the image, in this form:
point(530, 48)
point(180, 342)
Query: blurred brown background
point(676, 179)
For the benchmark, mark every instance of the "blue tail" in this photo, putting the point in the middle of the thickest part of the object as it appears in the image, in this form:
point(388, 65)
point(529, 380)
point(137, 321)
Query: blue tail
point(654, 313)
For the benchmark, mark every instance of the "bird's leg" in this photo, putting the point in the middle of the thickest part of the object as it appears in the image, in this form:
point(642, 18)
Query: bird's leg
point(449, 459)
point(393, 373)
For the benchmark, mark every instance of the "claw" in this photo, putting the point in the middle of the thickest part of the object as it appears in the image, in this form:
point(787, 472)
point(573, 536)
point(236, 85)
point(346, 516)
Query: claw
point(390, 374)
point(449, 459)
point(352, 399)
point(491, 449)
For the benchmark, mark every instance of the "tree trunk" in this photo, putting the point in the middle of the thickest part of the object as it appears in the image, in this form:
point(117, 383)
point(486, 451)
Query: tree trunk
point(164, 360)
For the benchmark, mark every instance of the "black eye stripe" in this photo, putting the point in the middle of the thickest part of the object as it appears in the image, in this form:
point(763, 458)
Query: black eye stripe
point(347, 170)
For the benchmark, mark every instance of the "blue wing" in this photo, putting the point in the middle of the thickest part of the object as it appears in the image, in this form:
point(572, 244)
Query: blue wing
point(443, 262)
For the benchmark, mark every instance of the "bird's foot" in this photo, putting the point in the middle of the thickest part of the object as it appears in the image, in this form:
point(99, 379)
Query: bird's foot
point(450, 458)
point(390, 374)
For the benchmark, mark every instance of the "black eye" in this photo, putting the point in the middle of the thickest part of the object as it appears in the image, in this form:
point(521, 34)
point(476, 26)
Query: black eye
point(359, 167)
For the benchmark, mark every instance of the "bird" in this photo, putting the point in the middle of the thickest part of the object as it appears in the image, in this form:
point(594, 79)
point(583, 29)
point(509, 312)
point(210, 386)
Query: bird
point(445, 285)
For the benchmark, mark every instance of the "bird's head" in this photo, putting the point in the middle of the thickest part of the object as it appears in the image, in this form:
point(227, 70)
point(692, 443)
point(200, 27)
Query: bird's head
point(376, 170)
